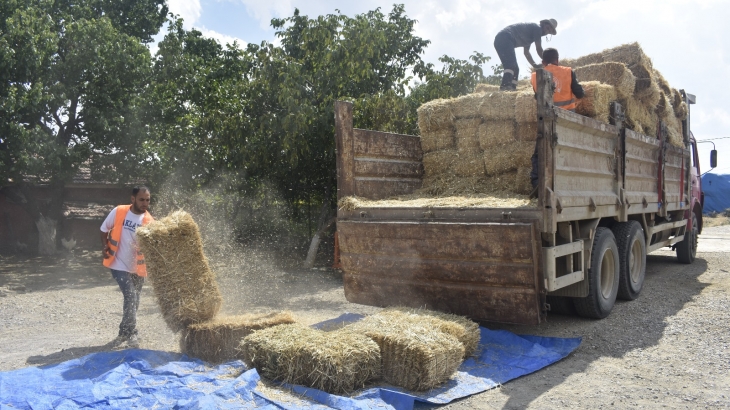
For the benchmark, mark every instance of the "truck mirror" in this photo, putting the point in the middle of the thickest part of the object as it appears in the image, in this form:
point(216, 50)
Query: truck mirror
point(713, 158)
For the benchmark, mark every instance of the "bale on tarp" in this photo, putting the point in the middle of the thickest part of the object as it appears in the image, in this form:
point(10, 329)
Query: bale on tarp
point(525, 107)
point(597, 100)
point(337, 362)
point(415, 356)
point(434, 115)
point(182, 281)
point(435, 140)
point(466, 135)
point(499, 160)
point(526, 131)
point(495, 133)
point(464, 330)
point(218, 340)
point(611, 73)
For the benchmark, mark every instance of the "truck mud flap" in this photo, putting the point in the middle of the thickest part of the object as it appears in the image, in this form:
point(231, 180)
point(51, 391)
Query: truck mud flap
point(486, 271)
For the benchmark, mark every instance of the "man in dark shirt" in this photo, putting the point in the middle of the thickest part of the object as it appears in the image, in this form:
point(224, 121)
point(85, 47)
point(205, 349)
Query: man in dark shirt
point(520, 35)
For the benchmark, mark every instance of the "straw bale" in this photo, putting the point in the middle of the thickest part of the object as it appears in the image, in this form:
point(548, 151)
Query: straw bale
point(218, 340)
point(439, 162)
point(681, 111)
point(415, 356)
point(434, 140)
point(523, 185)
point(595, 58)
point(633, 57)
point(434, 115)
point(336, 362)
point(492, 189)
point(497, 132)
point(677, 100)
point(469, 164)
point(423, 199)
point(524, 85)
point(674, 131)
point(526, 131)
point(611, 73)
point(486, 88)
point(499, 160)
point(662, 83)
point(525, 107)
point(466, 135)
point(182, 281)
point(464, 330)
point(664, 107)
point(467, 106)
point(639, 118)
point(597, 99)
point(498, 105)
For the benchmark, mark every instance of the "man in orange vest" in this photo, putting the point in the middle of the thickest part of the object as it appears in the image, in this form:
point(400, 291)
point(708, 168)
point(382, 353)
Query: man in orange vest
point(520, 35)
point(566, 94)
point(126, 262)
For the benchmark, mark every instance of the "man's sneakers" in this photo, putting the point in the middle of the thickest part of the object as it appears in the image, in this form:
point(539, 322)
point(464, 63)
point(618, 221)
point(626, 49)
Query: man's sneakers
point(133, 342)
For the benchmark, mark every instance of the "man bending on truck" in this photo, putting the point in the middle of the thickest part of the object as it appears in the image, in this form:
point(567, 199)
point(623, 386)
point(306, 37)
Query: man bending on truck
point(564, 96)
point(520, 35)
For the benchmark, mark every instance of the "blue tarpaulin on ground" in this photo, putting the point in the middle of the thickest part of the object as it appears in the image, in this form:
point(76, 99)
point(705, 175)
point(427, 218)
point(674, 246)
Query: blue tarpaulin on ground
point(717, 192)
point(148, 379)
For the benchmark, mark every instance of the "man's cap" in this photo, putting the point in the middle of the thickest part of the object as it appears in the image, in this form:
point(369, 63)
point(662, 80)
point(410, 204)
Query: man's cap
point(552, 23)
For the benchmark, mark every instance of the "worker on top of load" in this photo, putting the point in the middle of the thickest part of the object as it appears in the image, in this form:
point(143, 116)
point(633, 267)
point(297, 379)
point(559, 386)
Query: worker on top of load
point(564, 96)
point(520, 35)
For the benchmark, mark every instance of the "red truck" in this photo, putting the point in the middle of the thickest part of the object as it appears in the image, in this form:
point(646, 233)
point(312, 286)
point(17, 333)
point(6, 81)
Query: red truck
point(607, 197)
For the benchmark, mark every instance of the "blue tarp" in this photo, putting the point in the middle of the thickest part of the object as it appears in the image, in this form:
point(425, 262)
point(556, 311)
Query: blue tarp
point(147, 379)
point(717, 192)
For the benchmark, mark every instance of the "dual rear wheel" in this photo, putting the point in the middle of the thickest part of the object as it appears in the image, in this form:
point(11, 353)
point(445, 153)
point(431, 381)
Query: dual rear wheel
point(618, 268)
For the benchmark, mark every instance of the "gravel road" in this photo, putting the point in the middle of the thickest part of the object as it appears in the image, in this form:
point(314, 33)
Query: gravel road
point(669, 348)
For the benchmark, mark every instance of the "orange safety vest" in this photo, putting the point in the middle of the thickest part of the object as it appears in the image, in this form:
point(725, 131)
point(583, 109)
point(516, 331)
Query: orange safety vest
point(116, 234)
point(562, 77)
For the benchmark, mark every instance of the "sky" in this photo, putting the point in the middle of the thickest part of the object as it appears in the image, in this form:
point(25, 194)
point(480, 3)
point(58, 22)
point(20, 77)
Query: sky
point(686, 39)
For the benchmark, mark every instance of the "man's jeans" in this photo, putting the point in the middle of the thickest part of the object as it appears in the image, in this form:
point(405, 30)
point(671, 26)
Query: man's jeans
point(131, 287)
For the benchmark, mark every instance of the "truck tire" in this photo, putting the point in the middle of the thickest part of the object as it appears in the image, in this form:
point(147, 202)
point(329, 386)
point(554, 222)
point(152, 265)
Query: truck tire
point(687, 249)
point(603, 277)
point(631, 245)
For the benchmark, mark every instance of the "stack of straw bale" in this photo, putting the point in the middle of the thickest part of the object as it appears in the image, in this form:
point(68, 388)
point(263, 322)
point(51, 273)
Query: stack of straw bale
point(218, 340)
point(183, 283)
point(420, 350)
point(337, 362)
point(650, 100)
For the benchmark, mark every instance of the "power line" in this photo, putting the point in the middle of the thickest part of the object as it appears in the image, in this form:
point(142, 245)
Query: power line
point(714, 139)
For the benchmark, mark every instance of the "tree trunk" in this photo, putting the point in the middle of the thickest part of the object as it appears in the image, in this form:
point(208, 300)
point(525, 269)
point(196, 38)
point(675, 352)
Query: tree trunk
point(325, 222)
point(46, 235)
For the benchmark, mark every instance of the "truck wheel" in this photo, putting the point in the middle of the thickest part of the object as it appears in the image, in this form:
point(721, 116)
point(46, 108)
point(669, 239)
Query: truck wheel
point(687, 249)
point(602, 277)
point(632, 258)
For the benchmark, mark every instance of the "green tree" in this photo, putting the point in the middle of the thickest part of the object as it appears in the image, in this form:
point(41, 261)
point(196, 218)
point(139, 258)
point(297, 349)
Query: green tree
point(71, 76)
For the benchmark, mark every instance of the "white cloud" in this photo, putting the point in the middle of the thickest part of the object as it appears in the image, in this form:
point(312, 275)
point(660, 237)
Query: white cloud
point(223, 39)
point(189, 10)
point(264, 11)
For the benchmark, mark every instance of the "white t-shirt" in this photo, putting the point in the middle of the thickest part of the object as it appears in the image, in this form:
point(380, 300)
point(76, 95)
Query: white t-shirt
point(126, 257)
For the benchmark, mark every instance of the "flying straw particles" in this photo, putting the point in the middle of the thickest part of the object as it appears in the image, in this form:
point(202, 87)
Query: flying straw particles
point(434, 140)
point(464, 330)
point(597, 99)
point(494, 133)
point(499, 160)
point(611, 73)
point(337, 362)
point(415, 356)
point(183, 283)
point(218, 340)
point(435, 115)
point(525, 106)
point(466, 134)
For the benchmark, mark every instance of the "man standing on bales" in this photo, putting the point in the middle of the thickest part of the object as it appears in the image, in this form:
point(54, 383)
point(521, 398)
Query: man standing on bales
point(520, 35)
point(126, 262)
point(565, 95)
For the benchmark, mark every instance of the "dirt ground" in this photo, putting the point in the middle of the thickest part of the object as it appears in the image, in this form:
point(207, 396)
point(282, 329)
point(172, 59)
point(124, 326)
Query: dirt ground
point(670, 348)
